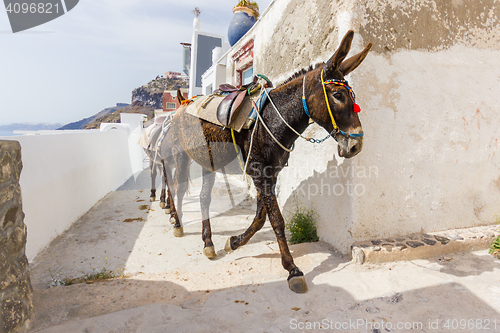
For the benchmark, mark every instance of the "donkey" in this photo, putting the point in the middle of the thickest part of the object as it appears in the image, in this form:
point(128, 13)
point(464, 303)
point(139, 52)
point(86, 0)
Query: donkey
point(320, 94)
point(160, 159)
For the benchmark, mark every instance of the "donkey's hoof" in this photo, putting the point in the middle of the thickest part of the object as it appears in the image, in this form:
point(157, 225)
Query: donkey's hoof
point(167, 210)
point(172, 220)
point(298, 284)
point(152, 199)
point(228, 247)
point(179, 232)
point(209, 252)
point(163, 205)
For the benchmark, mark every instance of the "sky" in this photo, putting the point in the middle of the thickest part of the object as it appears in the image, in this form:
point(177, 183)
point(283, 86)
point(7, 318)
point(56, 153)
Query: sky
point(96, 54)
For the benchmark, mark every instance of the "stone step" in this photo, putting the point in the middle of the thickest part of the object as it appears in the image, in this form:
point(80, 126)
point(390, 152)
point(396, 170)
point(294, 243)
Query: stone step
point(420, 246)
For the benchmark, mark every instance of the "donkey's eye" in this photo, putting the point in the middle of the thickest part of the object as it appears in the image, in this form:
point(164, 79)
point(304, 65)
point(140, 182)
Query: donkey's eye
point(337, 95)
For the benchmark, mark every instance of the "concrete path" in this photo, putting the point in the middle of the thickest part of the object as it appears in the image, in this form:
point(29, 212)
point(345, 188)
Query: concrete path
point(171, 287)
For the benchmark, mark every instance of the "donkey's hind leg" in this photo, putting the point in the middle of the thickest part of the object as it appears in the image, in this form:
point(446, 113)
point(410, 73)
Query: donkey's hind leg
point(235, 242)
point(171, 194)
point(167, 174)
point(163, 186)
point(152, 169)
point(181, 185)
point(205, 200)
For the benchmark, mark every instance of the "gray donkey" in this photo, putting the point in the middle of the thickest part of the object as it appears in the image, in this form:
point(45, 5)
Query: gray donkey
point(160, 159)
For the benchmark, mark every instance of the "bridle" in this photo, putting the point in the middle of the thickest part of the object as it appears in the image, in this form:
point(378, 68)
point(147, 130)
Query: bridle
point(336, 129)
point(356, 108)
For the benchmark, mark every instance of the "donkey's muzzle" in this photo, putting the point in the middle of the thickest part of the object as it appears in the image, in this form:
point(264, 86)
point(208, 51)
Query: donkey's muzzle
point(349, 147)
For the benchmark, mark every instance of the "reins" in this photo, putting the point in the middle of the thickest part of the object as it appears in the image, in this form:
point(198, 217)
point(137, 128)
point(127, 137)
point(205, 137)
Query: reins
point(336, 129)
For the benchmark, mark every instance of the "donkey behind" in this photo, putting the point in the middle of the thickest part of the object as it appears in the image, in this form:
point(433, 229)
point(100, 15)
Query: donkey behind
point(160, 159)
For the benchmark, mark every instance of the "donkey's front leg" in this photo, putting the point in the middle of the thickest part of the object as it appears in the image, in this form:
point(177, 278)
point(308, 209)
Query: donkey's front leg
point(205, 200)
point(296, 280)
point(235, 242)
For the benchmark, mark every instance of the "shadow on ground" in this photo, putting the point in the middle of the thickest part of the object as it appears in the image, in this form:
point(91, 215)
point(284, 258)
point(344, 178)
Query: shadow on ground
point(172, 287)
point(333, 303)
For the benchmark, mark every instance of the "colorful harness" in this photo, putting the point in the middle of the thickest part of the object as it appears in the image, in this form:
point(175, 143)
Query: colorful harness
point(256, 111)
point(356, 107)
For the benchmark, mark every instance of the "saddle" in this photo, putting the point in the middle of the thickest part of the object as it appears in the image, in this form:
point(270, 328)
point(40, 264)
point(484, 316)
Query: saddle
point(230, 105)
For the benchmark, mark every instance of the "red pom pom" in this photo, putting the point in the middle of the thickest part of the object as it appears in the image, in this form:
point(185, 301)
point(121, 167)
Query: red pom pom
point(356, 108)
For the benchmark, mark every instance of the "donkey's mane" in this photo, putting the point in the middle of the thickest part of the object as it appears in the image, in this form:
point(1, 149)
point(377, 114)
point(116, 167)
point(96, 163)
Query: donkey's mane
point(300, 73)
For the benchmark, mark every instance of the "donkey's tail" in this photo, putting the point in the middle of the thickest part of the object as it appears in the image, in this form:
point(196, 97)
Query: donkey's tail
point(189, 181)
point(182, 173)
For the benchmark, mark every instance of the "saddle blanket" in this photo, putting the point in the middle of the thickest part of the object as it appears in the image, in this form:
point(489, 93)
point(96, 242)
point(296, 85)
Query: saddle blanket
point(149, 132)
point(146, 135)
point(206, 109)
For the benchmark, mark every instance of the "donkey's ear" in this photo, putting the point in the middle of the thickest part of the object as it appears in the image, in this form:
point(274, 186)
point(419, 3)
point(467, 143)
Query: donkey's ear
point(353, 62)
point(334, 63)
point(180, 98)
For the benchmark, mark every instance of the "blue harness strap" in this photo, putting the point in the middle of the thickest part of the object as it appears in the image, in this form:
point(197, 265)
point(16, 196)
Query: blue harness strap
point(305, 106)
point(260, 104)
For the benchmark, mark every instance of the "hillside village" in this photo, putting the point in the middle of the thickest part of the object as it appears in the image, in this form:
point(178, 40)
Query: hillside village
point(145, 100)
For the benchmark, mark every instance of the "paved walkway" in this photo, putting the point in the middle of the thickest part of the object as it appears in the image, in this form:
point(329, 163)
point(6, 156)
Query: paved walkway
point(171, 287)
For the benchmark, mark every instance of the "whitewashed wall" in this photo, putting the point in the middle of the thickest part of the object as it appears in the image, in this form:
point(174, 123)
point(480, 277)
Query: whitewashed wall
point(64, 175)
point(428, 91)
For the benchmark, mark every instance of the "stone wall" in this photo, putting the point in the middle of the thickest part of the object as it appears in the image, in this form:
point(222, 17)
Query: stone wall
point(15, 287)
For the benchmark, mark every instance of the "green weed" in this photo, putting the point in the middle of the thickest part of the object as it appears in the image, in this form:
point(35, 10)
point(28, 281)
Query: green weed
point(302, 226)
point(97, 275)
point(495, 248)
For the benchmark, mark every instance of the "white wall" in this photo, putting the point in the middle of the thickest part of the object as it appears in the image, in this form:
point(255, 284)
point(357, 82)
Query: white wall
point(64, 175)
point(136, 153)
point(431, 124)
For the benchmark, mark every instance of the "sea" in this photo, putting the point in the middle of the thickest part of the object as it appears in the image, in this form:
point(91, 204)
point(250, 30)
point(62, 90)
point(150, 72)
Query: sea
point(7, 133)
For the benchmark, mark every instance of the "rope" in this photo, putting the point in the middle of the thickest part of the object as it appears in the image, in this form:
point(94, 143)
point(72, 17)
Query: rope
point(266, 128)
point(244, 168)
point(335, 127)
point(306, 109)
point(268, 131)
point(311, 140)
point(249, 149)
point(279, 114)
point(236, 149)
